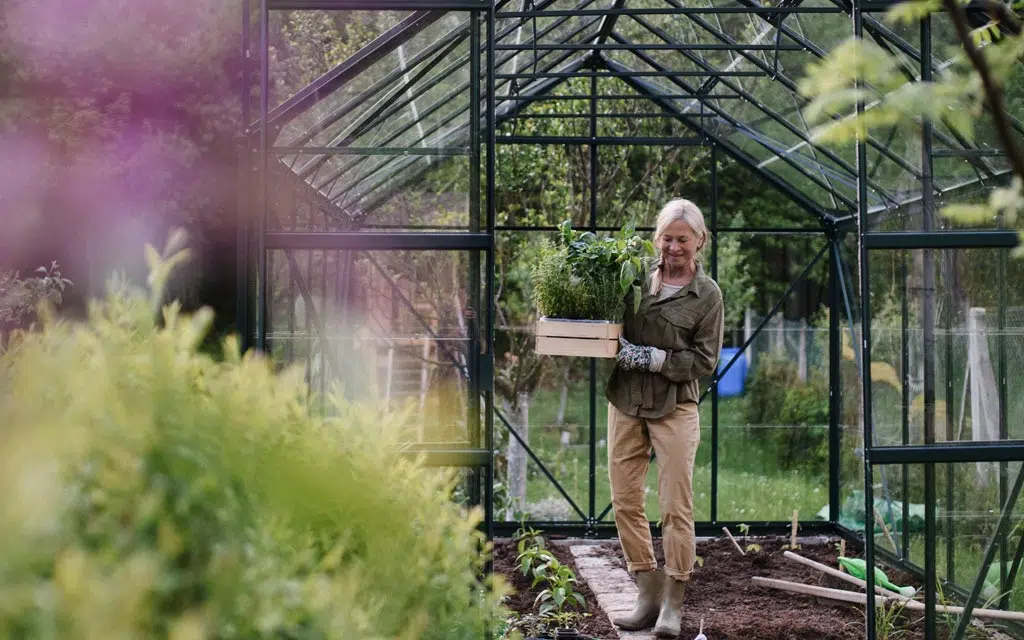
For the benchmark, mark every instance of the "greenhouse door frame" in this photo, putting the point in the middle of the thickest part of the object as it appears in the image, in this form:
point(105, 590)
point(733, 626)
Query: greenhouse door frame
point(593, 523)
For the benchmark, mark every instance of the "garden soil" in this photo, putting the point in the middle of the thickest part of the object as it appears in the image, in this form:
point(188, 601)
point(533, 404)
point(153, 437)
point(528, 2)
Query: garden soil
point(596, 625)
point(733, 608)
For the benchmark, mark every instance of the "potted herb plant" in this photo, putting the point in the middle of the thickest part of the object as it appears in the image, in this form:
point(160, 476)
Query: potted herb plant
point(580, 286)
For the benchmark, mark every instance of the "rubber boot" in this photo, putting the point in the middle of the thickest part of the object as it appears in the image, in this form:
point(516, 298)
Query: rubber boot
point(670, 618)
point(648, 602)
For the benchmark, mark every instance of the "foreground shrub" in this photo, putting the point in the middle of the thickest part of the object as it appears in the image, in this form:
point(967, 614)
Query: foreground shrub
point(153, 491)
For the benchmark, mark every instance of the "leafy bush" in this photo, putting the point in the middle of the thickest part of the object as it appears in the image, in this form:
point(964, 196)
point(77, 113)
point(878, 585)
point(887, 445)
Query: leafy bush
point(582, 277)
point(776, 396)
point(772, 374)
point(154, 491)
point(19, 297)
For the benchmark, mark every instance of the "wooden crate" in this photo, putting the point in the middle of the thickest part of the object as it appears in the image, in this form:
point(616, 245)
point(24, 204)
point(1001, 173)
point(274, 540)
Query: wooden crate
point(580, 338)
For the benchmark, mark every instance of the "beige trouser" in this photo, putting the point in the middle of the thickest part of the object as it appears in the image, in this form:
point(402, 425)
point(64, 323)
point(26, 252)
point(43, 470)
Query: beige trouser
point(675, 438)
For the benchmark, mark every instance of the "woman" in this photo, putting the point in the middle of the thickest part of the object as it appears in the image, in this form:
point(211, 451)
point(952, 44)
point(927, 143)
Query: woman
point(672, 340)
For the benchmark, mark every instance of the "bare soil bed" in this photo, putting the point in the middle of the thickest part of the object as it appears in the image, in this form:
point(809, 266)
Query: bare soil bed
point(733, 607)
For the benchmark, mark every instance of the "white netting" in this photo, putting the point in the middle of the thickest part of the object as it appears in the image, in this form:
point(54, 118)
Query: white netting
point(805, 345)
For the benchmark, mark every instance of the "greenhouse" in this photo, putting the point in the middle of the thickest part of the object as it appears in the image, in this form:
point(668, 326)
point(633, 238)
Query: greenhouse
point(397, 191)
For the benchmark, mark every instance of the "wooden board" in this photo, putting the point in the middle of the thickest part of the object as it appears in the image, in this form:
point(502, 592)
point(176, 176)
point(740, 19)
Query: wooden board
point(580, 347)
point(579, 329)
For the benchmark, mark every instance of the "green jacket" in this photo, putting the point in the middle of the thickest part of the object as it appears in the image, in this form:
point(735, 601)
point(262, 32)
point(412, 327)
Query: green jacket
point(688, 325)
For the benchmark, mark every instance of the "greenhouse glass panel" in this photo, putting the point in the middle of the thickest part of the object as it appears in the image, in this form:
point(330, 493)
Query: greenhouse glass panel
point(747, 200)
point(391, 325)
point(636, 181)
point(966, 350)
point(967, 508)
point(773, 448)
point(624, 113)
point(414, 192)
point(850, 420)
point(391, 190)
point(418, 48)
point(970, 190)
point(434, 95)
point(299, 56)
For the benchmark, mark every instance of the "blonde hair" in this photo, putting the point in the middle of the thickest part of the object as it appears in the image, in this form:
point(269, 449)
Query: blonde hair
point(677, 210)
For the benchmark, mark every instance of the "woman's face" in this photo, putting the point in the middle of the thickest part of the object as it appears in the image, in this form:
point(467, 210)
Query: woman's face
point(678, 244)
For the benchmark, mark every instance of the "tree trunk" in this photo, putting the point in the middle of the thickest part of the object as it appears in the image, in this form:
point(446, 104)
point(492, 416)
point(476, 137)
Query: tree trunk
point(801, 362)
point(517, 457)
point(563, 399)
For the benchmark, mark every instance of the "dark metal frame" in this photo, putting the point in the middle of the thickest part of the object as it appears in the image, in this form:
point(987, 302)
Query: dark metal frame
point(842, 197)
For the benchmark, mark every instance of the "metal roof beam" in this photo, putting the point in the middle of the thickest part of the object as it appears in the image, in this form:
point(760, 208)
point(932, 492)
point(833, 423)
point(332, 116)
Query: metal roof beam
point(608, 23)
point(454, 138)
point(352, 66)
point(786, 81)
point(650, 92)
point(729, 118)
point(458, 137)
point(364, 96)
point(736, 87)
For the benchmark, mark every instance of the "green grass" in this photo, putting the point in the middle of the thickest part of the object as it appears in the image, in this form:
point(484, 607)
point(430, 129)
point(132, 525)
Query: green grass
point(742, 495)
point(751, 487)
point(967, 557)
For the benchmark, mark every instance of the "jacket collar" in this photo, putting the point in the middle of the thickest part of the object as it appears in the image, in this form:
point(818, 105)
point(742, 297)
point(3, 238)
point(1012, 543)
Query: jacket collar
point(694, 286)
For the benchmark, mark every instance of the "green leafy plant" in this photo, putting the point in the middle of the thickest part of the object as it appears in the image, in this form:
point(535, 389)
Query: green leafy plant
point(528, 537)
point(565, 619)
point(537, 625)
point(776, 396)
point(560, 593)
point(533, 560)
point(152, 490)
point(559, 596)
point(583, 277)
point(888, 625)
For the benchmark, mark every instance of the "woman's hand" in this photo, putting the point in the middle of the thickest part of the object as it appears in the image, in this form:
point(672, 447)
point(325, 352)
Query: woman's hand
point(633, 356)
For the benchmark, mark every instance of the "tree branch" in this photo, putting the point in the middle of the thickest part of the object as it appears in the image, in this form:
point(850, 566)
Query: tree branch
point(993, 92)
point(1001, 11)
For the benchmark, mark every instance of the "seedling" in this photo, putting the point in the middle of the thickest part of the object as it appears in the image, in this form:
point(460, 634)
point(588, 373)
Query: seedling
point(560, 592)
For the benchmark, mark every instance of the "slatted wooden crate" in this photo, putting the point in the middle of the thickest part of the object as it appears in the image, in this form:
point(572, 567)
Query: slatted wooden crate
point(580, 338)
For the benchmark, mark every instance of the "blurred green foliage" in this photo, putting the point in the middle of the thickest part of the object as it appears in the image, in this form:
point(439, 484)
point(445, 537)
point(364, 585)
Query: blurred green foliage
point(151, 490)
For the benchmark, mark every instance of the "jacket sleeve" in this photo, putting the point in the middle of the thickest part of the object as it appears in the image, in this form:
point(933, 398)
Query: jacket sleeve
point(699, 359)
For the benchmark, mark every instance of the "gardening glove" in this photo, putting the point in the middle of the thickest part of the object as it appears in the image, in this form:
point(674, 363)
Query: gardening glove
point(633, 356)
